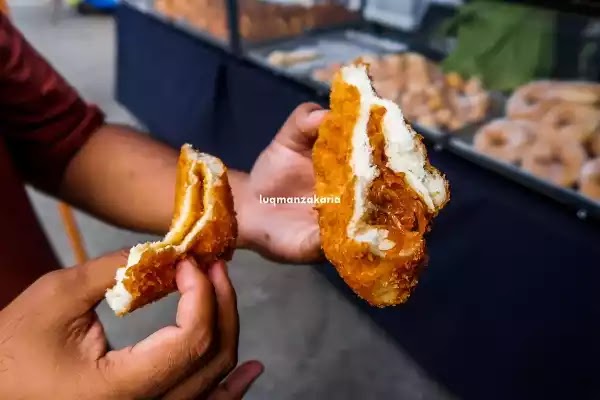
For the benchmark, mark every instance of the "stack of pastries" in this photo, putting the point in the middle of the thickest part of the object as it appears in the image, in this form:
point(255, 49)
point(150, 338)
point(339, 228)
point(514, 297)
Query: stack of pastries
point(427, 95)
point(258, 20)
point(552, 130)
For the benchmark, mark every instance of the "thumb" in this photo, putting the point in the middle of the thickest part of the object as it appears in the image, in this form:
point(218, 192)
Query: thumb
point(86, 283)
point(299, 131)
point(309, 249)
point(238, 382)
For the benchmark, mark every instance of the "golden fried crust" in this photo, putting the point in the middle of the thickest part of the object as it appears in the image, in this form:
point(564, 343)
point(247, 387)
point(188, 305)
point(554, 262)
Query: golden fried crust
point(206, 237)
point(217, 239)
point(152, 278)
point(386, 279)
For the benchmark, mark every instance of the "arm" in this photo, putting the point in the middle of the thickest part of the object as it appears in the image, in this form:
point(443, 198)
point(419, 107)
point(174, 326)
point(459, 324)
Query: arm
point(62, 146)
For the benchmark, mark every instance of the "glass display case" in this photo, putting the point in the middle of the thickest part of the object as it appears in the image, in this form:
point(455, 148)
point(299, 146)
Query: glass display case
point(207, 16)
point(260, 20)
point(269, 20)
point(509, 86)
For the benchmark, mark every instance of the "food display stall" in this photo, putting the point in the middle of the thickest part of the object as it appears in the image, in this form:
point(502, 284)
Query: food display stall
point(508, 100)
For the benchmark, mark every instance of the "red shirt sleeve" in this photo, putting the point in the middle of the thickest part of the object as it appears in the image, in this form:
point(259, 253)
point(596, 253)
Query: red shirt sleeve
point(43, 120)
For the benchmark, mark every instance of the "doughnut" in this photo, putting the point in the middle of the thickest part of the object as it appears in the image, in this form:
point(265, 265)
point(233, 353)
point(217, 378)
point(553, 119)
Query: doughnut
point(418, 72)
point(289, 58)
point(377, 68)
point(415, 104)
point(428, 121)
point(204, 226)
point(467, 100)
point(455, 124)
point(558, 162)
point(368, 156)
point(325, 74)
point(576, 92)
point(504, 139)
point(387, 89)
point(571, 121)
point(530, 101)
point(394, 62)
point(443, 116)
point(589, 179)
point(469, 108)
point(594, 144)
point(454, 80)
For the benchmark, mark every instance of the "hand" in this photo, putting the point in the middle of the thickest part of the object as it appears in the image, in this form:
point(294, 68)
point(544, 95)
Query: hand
point(52, 343)
point(283, 232)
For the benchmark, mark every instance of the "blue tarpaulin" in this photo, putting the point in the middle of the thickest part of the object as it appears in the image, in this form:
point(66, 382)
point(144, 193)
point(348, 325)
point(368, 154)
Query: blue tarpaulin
point(102, 4)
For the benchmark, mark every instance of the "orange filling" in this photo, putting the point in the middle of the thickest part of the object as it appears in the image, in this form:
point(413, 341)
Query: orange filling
point(395, 205)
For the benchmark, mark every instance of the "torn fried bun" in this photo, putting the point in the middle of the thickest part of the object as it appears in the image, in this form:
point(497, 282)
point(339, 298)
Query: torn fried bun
point(370, 157)
point(204, 226)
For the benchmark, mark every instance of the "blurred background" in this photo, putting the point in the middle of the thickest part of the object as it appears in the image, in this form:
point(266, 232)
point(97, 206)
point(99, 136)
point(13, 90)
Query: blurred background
point(507, 98)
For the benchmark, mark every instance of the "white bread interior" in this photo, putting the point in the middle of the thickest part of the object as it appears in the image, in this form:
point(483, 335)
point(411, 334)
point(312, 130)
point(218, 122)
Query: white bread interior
point(404, 154)
point(118, 298)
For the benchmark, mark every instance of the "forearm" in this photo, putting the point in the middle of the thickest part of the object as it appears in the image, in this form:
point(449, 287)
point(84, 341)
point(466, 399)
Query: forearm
point(128, 179)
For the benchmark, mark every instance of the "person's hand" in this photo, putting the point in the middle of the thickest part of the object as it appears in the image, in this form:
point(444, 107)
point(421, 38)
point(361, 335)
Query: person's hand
point(283, 232)
point(52, 344)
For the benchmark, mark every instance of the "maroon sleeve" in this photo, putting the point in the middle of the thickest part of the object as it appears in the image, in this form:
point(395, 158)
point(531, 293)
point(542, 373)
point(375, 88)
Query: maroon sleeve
point(42, 118)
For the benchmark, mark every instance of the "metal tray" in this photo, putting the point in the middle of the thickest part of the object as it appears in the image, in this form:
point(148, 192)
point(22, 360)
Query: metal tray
point(335, 46)
point(496, 110)
point(461, 142)
point(582, 206)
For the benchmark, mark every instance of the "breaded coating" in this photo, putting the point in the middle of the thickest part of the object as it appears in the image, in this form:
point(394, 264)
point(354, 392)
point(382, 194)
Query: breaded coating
point(203, 226)
point(367, 155)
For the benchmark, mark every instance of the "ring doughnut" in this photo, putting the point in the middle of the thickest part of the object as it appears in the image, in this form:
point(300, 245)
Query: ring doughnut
point(530, 101)
point(594, 144)
point(556, 161)
point(414, 104)
point(387, 89)
point(420, 71)
point(505, 140)
point(325, 74)
point(570, 121)
point(576, 92)
point(589, 179)
point(470, 107)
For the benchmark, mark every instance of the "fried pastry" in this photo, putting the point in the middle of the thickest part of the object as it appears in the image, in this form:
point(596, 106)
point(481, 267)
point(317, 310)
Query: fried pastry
point(367, 155)
point(203, 226)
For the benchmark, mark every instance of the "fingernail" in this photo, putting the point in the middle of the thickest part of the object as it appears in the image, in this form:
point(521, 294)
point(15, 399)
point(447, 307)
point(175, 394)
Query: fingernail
point(187, 262)
point(215, 269)
point(317, 116)
point(253, 368)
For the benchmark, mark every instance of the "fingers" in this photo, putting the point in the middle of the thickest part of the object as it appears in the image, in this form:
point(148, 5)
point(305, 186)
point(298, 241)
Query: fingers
point(196, 294)
point(299, 132)
point(238, 382)
point(228, 327)
point(159, 361)
point(309, 249)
